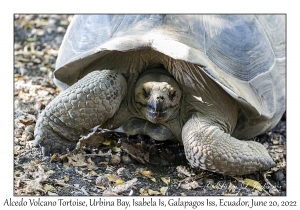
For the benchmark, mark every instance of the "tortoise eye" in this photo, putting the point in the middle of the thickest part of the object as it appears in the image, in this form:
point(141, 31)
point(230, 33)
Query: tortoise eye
point(172, 95)
point(146, 94)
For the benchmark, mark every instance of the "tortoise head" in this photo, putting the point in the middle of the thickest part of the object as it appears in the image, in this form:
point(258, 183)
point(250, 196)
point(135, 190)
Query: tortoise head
point(157, 96)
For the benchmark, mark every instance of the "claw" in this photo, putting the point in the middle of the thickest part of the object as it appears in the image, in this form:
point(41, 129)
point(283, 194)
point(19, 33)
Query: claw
point(45, 150)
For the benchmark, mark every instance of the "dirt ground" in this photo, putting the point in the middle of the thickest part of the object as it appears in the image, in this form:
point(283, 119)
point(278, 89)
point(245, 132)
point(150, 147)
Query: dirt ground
point(119, 164)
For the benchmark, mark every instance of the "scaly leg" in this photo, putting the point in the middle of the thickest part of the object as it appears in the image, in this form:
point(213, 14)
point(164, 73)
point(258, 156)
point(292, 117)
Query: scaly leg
point(208, 147)
point(86, 104)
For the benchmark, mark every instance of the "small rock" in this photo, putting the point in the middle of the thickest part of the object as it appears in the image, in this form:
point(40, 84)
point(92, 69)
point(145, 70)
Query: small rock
point(23, 71)
point(274, 191)
point(171, 170)
point(51, 21)
point(40, 32)
point(283, 185)
point(165, 163)
point(36, 60)
point(30, 128)
point(18, 132)
point(124, 173)
point(27, 136)
point(120, 171)
point(200, 182)
point(115, 160)
point(126, 159)
point(69, 169)
point(278, 176)
point(38, 106)
point(49, 30)
point(60, 30)
point(283, 193)
point(209, 181)
point(58, 39)
point(43, 68)
point(17, 46)
point(169, 151)
point(102, 181)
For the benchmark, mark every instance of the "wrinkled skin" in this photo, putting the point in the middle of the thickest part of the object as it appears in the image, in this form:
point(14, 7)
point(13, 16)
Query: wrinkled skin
point(157, 96)
point(158, 107)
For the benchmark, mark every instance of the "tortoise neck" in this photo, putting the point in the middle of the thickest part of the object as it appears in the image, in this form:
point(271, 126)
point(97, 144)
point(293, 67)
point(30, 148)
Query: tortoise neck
point(156, 71)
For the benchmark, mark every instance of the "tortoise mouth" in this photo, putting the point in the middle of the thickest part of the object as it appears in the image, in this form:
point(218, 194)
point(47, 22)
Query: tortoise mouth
point(156, 117)
point(158, 112)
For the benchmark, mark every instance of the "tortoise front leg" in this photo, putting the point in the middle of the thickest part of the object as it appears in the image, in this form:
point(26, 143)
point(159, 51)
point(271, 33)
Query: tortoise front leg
point(208, 147)
point(86, 104)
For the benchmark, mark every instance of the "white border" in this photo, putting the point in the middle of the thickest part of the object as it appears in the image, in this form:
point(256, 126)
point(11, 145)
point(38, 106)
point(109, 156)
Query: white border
point(151, 6)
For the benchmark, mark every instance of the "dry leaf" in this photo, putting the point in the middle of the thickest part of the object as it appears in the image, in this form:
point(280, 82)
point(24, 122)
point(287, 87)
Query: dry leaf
point(239, 179)
point(166, 180)
point(77, 160)
point(119, 182)
point(153, 179)
point(63, 157)
point(109, 193)
point(66, 165)
point(253, 184)
point(152, 192)
point(93, 173)
point(191, 185)
point(107, 154)
point(51, 193)
point(67, 178)
point(36, 177)
point(232, 187)
point(112, 177)
point(163, 190)
point(183, 170)
point(121, 188)
point(92, 140)
point(91, 165)
point(48, 187)
point(147, 174)
point(143, 192)
point(28, 119)
point(50, 172)
point(116, 149)
point(60, 183)
point(249, 182)
point(106, 143)
point(136, 153)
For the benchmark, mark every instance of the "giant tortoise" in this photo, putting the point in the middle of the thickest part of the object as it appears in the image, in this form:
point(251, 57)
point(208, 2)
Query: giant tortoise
point(210, 81)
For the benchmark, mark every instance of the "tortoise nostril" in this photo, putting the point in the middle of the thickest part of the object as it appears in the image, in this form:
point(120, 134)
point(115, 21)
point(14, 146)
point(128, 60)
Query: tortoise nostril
point(160, 98)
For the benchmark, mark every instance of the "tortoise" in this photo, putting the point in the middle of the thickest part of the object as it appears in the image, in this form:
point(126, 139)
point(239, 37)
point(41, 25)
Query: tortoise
point(210, 81)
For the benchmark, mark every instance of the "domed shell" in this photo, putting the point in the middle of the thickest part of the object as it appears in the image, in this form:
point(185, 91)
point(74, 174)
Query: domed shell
point(244, 54)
